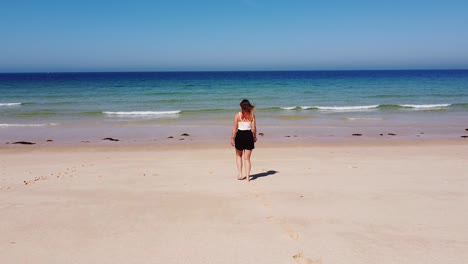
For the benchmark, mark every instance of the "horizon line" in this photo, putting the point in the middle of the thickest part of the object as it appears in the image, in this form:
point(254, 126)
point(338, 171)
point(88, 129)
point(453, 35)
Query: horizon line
point(208, 71)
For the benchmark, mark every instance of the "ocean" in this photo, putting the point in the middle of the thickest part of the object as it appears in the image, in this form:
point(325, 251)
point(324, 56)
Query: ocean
point(282, 98)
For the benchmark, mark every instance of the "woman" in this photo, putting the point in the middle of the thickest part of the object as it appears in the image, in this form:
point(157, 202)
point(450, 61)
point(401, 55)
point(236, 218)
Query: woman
point(244, 134)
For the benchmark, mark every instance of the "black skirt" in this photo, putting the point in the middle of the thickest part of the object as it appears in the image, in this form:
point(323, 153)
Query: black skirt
point(244, 140)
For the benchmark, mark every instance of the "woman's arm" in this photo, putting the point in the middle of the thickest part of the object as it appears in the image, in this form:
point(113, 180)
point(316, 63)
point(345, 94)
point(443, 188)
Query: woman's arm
point(234, 129)
point(254, 128)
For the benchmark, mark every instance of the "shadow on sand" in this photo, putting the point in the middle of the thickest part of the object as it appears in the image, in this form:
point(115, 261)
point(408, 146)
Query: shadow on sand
point(263, 174)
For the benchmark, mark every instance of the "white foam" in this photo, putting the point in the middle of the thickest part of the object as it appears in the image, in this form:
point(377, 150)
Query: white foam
point(307, 107)
point(347, 108)
point(363, 118)
point(28, 125)
point(143, 113)
point(425, 106)
point(10, 104)
point(289, 107)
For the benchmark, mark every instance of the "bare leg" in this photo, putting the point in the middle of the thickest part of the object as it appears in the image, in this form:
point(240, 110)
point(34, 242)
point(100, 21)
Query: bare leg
point(248, 166)
point(239, 163)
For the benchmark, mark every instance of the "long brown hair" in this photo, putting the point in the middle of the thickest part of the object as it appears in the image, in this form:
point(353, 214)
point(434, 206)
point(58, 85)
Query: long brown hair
point(247, 109)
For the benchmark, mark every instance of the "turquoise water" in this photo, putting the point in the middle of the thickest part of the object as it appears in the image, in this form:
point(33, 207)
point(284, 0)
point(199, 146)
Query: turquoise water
point(95, 98)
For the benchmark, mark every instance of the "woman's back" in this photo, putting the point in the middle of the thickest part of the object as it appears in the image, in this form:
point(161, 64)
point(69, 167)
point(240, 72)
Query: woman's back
point(244, 123)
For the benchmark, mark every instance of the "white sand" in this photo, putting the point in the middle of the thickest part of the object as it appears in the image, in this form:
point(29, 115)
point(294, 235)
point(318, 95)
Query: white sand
point(401, 203)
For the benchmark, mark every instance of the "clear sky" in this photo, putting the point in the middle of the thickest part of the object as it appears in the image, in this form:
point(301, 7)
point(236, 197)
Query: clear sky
point(173, 35)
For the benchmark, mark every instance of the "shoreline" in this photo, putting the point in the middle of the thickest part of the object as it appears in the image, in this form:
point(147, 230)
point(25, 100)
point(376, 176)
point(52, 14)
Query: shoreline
point(205, 134)
point(187, 146)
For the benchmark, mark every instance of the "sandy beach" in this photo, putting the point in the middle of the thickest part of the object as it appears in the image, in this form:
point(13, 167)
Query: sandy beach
point(117, 119)
point(390, 202)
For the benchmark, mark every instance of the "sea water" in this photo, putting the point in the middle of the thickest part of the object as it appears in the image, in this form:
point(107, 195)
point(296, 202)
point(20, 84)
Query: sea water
point(282, 98)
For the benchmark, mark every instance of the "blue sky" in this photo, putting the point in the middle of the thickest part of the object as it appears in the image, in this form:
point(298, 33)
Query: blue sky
point(63, 35)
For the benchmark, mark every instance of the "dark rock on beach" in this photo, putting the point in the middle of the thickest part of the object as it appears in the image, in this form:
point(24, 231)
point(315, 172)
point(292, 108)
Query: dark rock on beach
point(110, 139)
point(391, 134)
point(261, 134)
point(184, 135)
point(24, 143)
point(49, 140)
point(464, 136)
point(357, 135)
point(170, 137)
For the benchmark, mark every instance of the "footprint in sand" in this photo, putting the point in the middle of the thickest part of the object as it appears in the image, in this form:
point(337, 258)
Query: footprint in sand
point(259, 195)
point(301, 259)
point(67, 172)
point(41, 178)
point(286, 226)
point(293, 235)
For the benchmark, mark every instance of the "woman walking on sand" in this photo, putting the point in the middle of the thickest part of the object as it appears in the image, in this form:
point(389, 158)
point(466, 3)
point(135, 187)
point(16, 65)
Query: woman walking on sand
point(244, 135)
